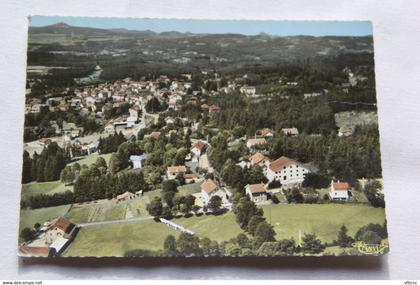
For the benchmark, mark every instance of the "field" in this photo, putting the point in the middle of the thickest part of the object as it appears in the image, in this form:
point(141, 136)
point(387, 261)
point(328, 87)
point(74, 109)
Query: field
point(102, 211)
point(91, 159)
point(138, 206)
point(29, 217)
point(324, 220)
point(115, 240)
point(189, 188)
point(36, 188)
point(219, 228)
point(352, 119)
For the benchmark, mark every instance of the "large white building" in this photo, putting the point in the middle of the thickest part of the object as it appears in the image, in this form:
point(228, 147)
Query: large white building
point(289, 172)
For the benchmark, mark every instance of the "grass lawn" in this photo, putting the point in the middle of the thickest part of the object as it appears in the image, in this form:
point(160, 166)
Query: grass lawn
point(324, 220)
point(115, 240)
point(190, 188)
point(36, 188)
point(105, 211)
point(138, 206)
point(219, 228)
point(91, 159)
point(29, 217)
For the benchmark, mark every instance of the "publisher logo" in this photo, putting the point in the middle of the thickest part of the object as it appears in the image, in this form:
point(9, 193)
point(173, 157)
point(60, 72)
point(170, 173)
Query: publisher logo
point(372, 249)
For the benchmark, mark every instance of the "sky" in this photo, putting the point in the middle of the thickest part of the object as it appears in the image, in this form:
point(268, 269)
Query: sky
point(246, 27)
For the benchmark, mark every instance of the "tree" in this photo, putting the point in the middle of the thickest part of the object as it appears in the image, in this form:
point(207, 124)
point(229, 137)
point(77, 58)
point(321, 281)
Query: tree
point(379, 230)
point(188, 244)
point(370, 237)
point(243, 241)
point(316, 180)
point(244, 210)
point(253, 223)
point(214, 203)
point(169, 246)
point(195, 209)
point(311, 244)
point(286, 247)
point(27, 234)
point(263, 233)
point(26, 168)
point(155, 207)
point(170, 186)
point(294, 196)
point(168, 198)
point(343, 239)
point(166, 212)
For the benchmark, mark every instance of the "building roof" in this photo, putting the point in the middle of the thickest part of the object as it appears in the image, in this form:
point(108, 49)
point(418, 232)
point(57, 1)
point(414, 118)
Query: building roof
point(177, 169)
point(59, 244)
point(257, 188)
point(199, 145)
point(257, 157)
point(155, 135)
point(256, 141)
point(341, 186)
point(125, 195)
point(32, 251)
point(265, 131)
point(63, 224)
point(283, 161)
point(191, 176)
point(290, 131)
point(209, 186)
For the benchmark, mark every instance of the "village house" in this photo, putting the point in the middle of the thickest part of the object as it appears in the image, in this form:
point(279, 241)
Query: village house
point(289, 172)
point(256, 192)
point(248, 90)
point(339, 191)
point(137, 160)
point(198, 148)
point(125, 196)
point(214, 109)
point(253, 143)
point(210, 188)
point(173, 171)
point(58, 228)
point(260, 160)
point(153, 135)
point(292, 132)
point(191, 177)
point(345, 131)
point(265, 133)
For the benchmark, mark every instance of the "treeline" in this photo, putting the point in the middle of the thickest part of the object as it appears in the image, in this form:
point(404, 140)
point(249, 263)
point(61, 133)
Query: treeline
point(111, 143)
point(96, 183)
point(43, 200)
point(243, 245)
point(46, 166)
point(347, 159)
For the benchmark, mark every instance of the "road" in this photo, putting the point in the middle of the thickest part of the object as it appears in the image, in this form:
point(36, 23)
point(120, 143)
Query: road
point(104, 223)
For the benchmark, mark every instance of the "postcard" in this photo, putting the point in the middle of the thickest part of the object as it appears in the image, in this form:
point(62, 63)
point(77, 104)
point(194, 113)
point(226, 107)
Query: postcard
point(165, 137)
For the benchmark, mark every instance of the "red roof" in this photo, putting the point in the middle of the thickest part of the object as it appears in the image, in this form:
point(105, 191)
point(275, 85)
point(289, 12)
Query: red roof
point(199, 145)
point(209, 186)
point(257, 158)
point(281, 162)
point(63, 224)
point(177, 169)
point(34, 251)
point(341, 186)
point(257, 188)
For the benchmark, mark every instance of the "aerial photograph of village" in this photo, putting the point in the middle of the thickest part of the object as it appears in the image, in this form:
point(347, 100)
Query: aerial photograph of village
point(158, 137)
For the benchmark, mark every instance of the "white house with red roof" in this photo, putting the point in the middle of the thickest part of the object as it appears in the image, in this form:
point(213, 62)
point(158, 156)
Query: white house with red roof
point(339, 191)
point(288, 172)
point(256, 192)
point(210, 188)
point(198, 148)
